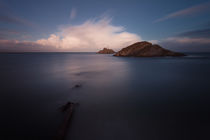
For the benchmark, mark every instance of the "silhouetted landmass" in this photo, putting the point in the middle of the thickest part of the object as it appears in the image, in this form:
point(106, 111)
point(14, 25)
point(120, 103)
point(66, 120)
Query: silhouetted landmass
point(106, 51)
point(146, 49)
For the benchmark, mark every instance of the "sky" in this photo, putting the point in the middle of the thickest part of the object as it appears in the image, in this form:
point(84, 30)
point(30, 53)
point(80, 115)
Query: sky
point(90, 25)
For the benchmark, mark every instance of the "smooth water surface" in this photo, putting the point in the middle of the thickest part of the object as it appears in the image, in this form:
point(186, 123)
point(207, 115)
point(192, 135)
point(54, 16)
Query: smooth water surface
point(120, 98)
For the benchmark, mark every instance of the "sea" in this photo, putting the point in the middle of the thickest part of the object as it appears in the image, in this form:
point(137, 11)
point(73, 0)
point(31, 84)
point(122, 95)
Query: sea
point(118, 98)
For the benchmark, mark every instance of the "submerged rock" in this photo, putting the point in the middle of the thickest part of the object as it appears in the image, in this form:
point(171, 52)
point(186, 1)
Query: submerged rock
point(78, 86)
point(146, 49)
point(106, 51)
point(66, 106)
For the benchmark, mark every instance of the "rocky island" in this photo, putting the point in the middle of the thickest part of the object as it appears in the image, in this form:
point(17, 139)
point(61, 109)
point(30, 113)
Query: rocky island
point(106, 51)
point(146, 49)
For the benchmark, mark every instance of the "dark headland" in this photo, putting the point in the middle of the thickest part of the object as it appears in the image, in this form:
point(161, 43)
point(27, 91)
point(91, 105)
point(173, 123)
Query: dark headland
point(146, 49)
point(106, 51)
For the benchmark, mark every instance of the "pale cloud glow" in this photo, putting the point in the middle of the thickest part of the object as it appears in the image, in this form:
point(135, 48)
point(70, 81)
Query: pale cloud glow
point(90, 36)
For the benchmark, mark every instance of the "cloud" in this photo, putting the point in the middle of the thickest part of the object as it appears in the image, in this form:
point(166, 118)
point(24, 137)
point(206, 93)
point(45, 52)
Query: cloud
point(201, 33)
point(154, 41)
point(188, 11)
point(4, 33)
point(8, 17)
point(186, 44)
point(195, 40)
point(15, 20)
point(189, 40)
point(73, 13)
point(90, 36)
point(18, 46)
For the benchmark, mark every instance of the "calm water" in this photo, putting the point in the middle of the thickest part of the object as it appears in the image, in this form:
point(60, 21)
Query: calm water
point(120, 98)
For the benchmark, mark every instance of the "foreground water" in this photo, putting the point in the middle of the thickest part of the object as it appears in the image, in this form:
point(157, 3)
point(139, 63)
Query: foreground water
point(120, 98)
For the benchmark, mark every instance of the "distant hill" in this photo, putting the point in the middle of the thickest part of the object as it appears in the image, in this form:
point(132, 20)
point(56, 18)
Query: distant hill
point(146, 49)
point(106, 51)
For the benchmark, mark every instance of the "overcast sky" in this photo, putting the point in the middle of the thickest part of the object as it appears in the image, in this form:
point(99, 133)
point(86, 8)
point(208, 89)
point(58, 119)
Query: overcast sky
point(89, 25)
